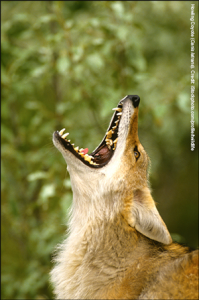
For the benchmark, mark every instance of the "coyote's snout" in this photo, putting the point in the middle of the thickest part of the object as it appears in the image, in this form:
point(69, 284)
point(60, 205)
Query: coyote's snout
point(118, 246)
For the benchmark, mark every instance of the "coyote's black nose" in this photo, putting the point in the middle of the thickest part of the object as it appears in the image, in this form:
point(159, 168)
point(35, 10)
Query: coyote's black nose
point(135, 99)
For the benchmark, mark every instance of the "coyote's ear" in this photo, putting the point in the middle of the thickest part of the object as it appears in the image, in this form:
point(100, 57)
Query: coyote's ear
point(146, 219)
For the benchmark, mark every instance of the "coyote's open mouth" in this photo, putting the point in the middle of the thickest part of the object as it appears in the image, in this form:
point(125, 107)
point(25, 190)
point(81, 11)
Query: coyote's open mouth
point(103, 153)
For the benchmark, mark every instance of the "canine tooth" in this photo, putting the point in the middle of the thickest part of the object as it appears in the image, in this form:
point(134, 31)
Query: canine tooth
point(62, 131)
point(117, 109)
point(119, 114)
point(114, 127)
point(73, 145)
point(65, 135)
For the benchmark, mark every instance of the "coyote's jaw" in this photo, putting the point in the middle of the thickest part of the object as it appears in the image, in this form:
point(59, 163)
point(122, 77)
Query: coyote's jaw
point(106, 149)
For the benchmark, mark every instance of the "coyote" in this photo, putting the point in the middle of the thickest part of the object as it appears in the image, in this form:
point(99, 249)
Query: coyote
point(118, 246)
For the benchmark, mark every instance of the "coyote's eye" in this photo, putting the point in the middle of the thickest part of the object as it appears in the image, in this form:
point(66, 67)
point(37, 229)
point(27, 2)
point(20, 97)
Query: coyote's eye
point(136, 153)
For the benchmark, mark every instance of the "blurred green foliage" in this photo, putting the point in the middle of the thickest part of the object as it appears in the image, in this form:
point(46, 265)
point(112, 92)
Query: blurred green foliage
point(67, 64)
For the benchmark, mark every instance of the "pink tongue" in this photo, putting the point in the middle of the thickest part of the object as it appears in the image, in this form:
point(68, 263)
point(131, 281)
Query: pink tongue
point(84, 151)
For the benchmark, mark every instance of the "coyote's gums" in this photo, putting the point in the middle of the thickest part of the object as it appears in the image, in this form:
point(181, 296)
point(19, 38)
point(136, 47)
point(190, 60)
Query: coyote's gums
point(118, 247)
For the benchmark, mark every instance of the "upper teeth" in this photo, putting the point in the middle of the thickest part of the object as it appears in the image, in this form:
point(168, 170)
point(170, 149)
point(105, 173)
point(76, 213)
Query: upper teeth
point(117, 109)
point(109, 142)
point(115, 141)
point(109, 134)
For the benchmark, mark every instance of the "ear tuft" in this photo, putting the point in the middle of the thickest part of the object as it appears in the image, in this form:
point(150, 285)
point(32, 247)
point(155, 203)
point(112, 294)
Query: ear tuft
point(146, 218)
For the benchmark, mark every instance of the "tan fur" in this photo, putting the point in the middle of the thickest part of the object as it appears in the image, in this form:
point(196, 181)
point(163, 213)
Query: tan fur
point(118, 247)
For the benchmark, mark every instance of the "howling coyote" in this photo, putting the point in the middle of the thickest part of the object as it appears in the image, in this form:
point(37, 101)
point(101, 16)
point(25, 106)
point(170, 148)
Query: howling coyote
point(118, 246)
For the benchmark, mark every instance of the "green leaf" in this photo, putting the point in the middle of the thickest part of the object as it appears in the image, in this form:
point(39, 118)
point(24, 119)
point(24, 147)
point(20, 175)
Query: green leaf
point(37, 175)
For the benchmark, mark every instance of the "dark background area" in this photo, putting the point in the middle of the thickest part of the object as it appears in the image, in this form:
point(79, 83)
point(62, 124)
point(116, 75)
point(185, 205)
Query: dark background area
point(67, 64)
